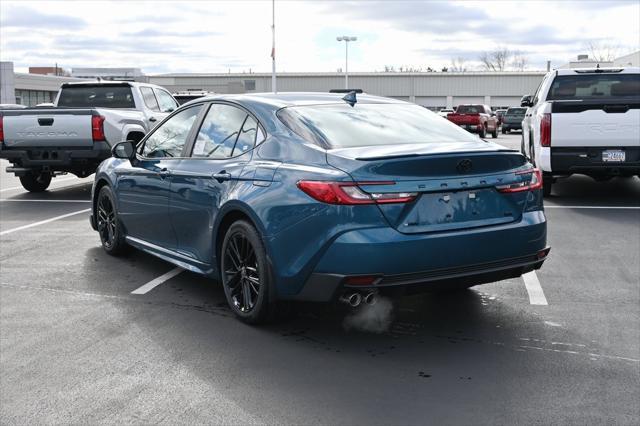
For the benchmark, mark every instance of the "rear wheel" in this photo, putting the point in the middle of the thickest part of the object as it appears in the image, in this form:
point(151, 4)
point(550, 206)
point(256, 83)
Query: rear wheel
point(494, 134)
point(35, 182)
point(245, 274)
point(504, 131)
point(109, 229)
point(482, 132)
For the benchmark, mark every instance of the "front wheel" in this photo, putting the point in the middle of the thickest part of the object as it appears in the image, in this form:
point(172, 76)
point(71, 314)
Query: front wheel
point(36, 182)
point(245, 274)
point(109, 229)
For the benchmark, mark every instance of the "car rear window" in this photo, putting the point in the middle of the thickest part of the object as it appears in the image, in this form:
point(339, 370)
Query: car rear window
point(516, 111)
point(470, 109)
point(96, 96)
point(594, 86)
point(343, 126)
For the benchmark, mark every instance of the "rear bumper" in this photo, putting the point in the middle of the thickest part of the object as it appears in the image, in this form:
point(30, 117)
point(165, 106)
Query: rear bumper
point(512, 126)
point(77, 159)
point(475, 256)
point(588, 160)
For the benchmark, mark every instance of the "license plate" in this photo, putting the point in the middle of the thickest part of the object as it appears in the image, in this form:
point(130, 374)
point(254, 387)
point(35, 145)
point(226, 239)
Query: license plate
point(613, 156)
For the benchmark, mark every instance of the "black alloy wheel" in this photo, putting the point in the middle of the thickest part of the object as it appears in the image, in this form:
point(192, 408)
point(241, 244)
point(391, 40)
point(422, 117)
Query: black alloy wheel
point(107, 223)
point(245, 274)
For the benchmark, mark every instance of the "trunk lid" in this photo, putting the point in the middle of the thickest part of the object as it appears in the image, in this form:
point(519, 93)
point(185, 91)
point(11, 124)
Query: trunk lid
point(456, 183)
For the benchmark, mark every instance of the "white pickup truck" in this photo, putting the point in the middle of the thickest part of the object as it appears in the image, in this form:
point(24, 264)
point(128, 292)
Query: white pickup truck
point(584, 121)
point(77, 134)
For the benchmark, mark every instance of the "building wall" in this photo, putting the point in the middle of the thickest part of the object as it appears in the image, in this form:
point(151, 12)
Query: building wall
point(7, 83)
point(432, 90)
point(33, 89)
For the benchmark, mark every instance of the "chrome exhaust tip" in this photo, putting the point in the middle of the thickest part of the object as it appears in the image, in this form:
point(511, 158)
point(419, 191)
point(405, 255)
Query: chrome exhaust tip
point(370, 298)
point(351, 299)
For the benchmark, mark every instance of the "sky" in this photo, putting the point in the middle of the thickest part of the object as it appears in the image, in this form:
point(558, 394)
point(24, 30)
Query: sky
point(235, 36)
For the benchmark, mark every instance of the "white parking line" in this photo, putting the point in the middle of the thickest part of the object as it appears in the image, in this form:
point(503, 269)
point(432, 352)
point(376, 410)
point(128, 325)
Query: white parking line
point(42, 222)
point(43, 201)
point(550, 206)
point(54, 181)
point(536, 295)
point(157, 281)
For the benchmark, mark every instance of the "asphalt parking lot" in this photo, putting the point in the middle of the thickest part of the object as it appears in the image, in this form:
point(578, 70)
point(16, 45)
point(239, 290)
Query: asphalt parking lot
point(76, 346)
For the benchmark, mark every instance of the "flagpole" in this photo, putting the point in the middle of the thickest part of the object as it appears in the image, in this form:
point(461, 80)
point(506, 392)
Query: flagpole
point(273, 46)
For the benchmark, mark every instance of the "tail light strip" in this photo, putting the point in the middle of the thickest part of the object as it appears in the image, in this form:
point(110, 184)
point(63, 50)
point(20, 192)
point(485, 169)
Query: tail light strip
point(97, 128)
point(349, 193)
point(533, 184)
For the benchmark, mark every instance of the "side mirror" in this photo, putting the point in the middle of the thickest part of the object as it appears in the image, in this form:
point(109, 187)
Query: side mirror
point(526, 101)
point(125, 150)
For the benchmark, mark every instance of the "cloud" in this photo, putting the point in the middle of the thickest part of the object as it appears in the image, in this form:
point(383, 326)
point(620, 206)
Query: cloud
point(25, 17)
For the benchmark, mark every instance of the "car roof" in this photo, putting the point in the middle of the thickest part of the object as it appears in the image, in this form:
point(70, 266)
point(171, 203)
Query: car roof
point(286, 99)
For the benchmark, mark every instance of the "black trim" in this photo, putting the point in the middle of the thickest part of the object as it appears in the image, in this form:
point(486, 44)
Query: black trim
point(588, 160)
point(609, 106)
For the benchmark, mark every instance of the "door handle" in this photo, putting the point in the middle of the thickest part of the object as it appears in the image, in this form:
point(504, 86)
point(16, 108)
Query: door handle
point(222, 176)
point(165, 173)
point(153, 119)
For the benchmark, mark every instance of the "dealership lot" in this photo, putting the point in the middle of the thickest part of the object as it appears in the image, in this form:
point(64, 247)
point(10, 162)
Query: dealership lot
point(76, 346)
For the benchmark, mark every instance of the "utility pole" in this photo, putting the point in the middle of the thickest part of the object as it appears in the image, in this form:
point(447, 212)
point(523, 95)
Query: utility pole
point(346, 40)
point(273, 46)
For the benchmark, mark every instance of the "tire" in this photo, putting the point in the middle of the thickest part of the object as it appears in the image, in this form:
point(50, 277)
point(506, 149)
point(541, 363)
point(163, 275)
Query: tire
point(36, 182)
point(547, 183)
point(522, 148)
point(494, 134)
point(504, 131)
point(482, 132)
point(246, 277)
point(108, 224)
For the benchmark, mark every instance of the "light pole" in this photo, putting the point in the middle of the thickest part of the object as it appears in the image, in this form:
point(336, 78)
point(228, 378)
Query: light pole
point(346, 40)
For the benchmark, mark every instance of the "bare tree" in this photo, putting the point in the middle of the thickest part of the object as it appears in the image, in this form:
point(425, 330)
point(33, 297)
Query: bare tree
point(602, 52)
point(519, 61)
point(495, 60)
point(458, 64)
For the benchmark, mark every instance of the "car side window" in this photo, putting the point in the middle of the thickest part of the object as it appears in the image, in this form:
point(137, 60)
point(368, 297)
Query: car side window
point(166, 101)
point(247, 137)
point(219, 132)
point(170, 137)
point(149, 98)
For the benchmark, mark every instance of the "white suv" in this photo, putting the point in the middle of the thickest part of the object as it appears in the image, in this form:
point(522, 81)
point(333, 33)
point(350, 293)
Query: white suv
point(584, 121)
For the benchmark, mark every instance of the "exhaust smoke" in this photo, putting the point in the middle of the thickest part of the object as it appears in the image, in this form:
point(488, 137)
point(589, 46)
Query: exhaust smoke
point(375, 317)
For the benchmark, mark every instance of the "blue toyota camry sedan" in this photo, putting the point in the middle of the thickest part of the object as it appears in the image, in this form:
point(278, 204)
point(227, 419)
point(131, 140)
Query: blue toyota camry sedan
point(320, 197)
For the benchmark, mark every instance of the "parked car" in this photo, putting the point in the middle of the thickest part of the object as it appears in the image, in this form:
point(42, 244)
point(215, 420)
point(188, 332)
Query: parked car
point(310, 197)
point(513, 119)
point(584, 121)
point(78, 133)
point(184, 97)
point(476, 119)
point(500, 115)
point(444, 112)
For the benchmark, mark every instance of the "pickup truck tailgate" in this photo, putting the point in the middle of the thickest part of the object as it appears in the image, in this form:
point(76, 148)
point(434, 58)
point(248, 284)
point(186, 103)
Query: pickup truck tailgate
point(593, 124)
point(47, 128)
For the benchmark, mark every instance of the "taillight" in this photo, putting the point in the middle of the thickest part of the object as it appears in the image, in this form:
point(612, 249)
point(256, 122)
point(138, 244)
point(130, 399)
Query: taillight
point(97, 128)
point(349, 193)
point(545, 130)
point(1, 129)
point(534, 183)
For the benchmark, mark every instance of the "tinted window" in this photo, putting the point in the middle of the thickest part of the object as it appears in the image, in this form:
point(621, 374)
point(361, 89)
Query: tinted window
point(165, 100)
point(169, 138)
point(149, 98)
point(343, 126)
point(247, 137)
point(96, 96)
point(219, 131)
point(516, 111)
point(594, 86)
point(470, 109)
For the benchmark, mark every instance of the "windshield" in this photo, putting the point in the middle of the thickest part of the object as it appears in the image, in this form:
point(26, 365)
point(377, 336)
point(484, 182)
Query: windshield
point(343, 126)
point(594, 86)
point(96, 96)
point(469, 109)
point(516, 111)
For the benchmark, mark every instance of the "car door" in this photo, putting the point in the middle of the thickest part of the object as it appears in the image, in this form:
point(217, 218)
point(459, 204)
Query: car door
point(143, 188)
point(201, 184)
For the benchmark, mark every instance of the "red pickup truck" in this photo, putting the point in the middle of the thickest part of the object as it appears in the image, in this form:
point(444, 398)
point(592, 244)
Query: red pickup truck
point(475, 118)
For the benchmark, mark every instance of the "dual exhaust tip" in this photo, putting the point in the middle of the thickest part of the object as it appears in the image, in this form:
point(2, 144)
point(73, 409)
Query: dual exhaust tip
point(354, 299)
